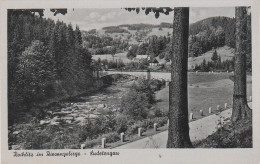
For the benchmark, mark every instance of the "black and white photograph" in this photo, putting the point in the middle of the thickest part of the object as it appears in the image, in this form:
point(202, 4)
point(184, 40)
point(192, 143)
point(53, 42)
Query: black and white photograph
point(130, 78)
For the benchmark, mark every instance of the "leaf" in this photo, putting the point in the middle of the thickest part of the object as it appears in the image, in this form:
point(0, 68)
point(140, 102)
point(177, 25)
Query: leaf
point(157, 14)
point(137, 10)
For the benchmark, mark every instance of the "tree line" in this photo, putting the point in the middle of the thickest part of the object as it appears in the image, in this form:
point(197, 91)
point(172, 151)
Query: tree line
point(103, 44)
point(156, 46)
point(46, 60)
point(215, 64)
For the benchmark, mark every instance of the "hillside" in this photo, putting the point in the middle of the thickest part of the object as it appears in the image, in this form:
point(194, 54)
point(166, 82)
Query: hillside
point(204, 35)
point(225, 52)
point(155, 40)
point(198, 28)
point(211, 33)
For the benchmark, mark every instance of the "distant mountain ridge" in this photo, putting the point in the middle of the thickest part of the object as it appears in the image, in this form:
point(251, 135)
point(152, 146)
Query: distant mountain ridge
point(194, 27)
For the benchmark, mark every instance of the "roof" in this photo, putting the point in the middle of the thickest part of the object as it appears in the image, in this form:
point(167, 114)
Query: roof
point(153, 61)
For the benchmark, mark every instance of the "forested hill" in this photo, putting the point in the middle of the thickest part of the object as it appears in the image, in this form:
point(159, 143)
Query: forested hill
point(211, 33)
point(46, 60)
point(209, 23)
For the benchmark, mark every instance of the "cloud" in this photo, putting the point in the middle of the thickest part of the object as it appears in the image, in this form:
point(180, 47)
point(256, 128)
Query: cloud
point(97, 18)
point(199, 13)
point(94, 15)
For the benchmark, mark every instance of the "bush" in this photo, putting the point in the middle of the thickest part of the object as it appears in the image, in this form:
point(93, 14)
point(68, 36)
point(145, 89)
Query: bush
point(161, 55)
point(158, 113)
point(237, 135)
point(161, 121)
point(121, 123)
point(140, 98)
point(111, 137)
point(135, 104)
point(156, 84)
point(92, 143)
point(133, 129)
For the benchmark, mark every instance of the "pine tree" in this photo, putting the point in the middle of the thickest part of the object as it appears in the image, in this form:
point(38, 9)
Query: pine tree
point(35, 71)
point(240, 107)
point(214, 57)
point(78, 37)
point(178, 133)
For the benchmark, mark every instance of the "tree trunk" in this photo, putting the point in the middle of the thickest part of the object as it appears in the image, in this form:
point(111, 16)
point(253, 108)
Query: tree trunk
point(178, 135)
point(240, 107)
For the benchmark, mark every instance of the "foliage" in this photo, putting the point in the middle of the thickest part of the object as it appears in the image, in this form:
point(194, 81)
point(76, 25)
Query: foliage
point(216, 32)
point(121, 123)
point(102, 44)
point(237, 135)
point(135, 104)
point(133, 128)
point(211, 33)
point(132, 51)
point(35, 71)
point(111, 137)
point(140, 98)
point(46, 60)
point(155, 47)
point(114, 29)
point(214, 56)
point(156, 11)
point(35, 136)
point(227, 65)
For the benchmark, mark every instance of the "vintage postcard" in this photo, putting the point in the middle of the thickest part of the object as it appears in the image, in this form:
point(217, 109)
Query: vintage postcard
point(130, 81)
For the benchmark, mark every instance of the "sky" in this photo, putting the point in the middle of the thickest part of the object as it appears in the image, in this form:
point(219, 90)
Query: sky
point(88, 19)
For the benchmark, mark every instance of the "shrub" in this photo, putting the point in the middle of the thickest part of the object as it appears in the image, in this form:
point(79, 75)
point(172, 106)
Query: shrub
point(111, 137)
point(121, 123)
point(92, 143)
point(135, 104)
point(236, 135)
point(158, 113)
point(161, 55)
point(38, 113)
point(133, 129)
point(161, 121)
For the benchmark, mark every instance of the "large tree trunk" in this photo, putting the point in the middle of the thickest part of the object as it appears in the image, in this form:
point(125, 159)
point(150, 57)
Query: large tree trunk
point(240, 107)
point(178, 135)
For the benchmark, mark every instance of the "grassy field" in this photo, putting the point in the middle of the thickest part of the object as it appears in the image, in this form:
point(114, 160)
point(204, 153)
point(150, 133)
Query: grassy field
point(204, 91)
point(109, 57)
point(163, 32)
point(225, 53)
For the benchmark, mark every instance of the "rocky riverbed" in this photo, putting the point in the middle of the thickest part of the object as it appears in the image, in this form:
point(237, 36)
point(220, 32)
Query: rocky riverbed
point(69, 114)
point(90, 107)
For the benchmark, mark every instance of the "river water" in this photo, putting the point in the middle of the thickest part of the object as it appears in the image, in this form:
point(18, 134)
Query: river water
point(91, 106)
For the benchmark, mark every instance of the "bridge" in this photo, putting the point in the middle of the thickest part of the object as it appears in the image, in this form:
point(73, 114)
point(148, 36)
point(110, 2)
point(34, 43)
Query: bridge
point(154, 75)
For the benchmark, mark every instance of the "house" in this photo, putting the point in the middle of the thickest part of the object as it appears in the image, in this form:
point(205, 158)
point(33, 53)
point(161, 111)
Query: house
point(142, 57)
point(153, 62)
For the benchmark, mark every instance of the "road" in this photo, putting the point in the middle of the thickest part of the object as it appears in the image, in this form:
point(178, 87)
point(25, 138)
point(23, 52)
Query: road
point(199, 130)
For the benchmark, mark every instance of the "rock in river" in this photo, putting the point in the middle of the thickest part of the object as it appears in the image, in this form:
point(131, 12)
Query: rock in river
point(43, 122)
point(62, 113)
point(101, 105)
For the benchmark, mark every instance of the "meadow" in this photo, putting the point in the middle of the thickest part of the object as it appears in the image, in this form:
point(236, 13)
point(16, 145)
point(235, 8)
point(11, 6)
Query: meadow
point(204, 91)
